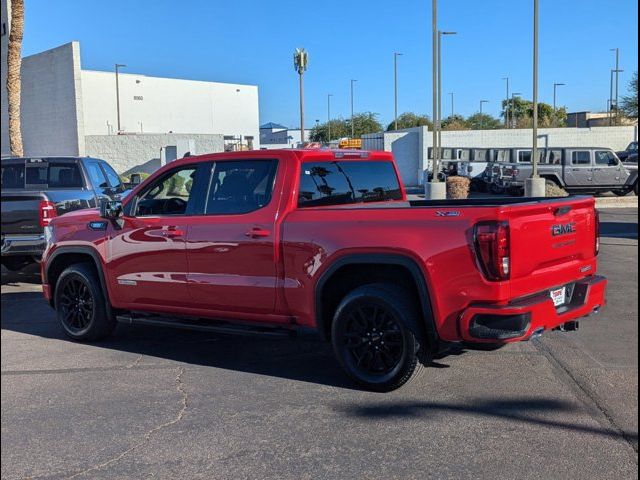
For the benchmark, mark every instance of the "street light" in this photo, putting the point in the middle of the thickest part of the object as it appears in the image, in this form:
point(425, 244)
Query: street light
point(353, 130)
point(118, 67)
point(395, 88)
point(301, 63)
point(555, 109)
point(613, 103)
point(438, 123)
point(482, 102)
point(434, 73)
point(506, 109)
point(617, 72)
point(329, 117)
point(535, 186)
point(514, 118)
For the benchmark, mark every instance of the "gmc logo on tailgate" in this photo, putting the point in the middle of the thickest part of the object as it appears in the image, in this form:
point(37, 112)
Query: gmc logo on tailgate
point(563, 229)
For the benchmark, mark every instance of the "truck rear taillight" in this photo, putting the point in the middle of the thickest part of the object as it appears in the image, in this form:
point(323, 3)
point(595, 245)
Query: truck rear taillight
point(597, 242)
point(47, 212)
point(493, 249)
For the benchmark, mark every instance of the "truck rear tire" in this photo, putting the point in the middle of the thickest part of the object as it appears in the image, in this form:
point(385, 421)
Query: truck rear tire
point(80, 304)
point(377, 337)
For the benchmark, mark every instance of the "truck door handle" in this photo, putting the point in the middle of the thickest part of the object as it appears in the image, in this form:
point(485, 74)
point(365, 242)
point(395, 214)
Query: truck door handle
point(257, 232)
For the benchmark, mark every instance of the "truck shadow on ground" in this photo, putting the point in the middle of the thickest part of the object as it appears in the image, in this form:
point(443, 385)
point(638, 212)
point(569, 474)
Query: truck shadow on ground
point(517, 410)
point(300, 360)
point(619, 230)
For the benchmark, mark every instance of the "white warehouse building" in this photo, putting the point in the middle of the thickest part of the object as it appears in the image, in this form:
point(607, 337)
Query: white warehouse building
point(70, 111)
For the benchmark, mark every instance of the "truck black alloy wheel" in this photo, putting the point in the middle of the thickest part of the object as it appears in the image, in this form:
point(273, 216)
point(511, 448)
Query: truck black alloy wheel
point(374, 336)
point(76, 305)
point(80, 304)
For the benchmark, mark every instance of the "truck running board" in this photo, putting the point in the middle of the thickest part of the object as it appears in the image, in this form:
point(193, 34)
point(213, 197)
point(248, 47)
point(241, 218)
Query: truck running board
point(213, 326)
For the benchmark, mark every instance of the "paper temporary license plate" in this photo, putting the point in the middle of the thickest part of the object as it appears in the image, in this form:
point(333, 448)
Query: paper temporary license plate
point(559, 296)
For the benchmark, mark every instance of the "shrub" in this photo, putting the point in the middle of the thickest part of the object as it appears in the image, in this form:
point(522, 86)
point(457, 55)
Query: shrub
point(458, 187)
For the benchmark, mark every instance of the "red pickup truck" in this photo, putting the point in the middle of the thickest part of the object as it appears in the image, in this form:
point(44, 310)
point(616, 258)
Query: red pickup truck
point(292, 241)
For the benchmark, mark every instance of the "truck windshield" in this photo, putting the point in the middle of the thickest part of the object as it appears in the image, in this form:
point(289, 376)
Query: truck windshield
point(343, 183)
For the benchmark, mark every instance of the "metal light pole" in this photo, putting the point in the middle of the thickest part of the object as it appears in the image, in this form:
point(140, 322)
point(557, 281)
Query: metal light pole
point(613, 102)
point(482, 102)
point(301, 63)
point(535, 186)
point(536, 26)
point(514, 118)
point(452, 109)
point(434, 35)
point(614, 97)
point(555, 94)
point(353, 127)
point(118, 67)
point(506, 108)
point(395, 88)
point(438, 122)
point(329, 117)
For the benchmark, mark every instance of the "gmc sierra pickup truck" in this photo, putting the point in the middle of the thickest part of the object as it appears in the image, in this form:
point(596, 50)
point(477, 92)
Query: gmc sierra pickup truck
point(34, 190)
point(300, 241)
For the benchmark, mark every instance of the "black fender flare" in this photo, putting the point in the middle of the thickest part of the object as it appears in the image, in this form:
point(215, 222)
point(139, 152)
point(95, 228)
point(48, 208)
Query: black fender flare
point(83, 251)
point(554, 177)
point(384, 259)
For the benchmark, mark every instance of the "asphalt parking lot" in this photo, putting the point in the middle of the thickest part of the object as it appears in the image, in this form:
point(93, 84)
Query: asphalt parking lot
point(159, 403)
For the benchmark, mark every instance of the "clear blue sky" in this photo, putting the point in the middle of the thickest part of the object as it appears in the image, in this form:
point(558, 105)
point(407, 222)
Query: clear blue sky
point(252, 41)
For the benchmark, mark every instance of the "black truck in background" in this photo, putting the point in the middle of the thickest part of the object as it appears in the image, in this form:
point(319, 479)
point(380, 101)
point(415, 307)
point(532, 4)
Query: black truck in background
point(34, 190)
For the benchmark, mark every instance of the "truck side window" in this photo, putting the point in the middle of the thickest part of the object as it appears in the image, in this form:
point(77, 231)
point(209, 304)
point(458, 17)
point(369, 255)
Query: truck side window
point(168, 195)
point(555, 157)
point(113, 178)
point(606, 158)
point(524, 156)
point(240, 186)
point(343, 183)
point(581, 157)
point(96, 175)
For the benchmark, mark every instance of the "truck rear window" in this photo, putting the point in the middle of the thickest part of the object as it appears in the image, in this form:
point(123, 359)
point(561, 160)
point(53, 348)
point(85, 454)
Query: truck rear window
point(42, 174)
point(347, 182)
point(12, 176)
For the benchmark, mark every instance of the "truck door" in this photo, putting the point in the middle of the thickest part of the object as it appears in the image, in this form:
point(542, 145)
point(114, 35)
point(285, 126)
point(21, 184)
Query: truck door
point(147, 255)
point(579, 169)
point(232, 249)
point(608, 170)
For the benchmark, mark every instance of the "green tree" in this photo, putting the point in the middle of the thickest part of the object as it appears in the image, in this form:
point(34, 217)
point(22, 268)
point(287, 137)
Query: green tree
point(521, 114)
point(337, 128)
point(364, 123)
point(455, 122)
point(629, 105)
point(411, 120)
point(483, 121)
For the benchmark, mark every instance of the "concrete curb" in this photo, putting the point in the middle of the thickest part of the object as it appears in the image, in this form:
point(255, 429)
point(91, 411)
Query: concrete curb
point(617, 202)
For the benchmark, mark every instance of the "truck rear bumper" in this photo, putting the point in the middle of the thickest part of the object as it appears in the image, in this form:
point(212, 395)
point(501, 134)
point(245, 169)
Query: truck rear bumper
point(23, 245)
point(485, 323)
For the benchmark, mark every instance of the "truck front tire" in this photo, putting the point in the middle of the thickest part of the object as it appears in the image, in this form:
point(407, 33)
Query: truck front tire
point(377, 338)
point(80, 304)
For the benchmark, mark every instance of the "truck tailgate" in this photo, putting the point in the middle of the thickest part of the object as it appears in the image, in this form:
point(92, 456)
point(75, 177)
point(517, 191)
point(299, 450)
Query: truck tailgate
point(552, 243)
point(20, 213)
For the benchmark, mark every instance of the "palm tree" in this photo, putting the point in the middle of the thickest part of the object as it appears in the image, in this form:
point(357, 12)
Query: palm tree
point(14, 63)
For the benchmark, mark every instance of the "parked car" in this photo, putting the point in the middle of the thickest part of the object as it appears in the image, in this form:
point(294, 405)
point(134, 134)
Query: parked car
point(315, 241)
point(632, 149)
point(34, 190)
point(577, 170)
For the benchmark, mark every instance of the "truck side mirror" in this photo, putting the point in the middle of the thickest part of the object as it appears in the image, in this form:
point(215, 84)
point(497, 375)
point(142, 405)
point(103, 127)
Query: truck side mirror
point(111, 209)
point(135, 179)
